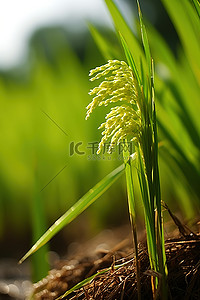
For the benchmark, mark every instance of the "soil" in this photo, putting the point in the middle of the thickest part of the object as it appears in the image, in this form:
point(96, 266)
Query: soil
point(183, 262)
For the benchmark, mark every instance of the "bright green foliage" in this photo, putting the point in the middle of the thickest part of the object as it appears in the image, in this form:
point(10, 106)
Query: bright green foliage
point(29, 141)
point(122, 27)
point(122, 122)
point(89, 279)
point(132, 211)
point(148, 173)
point(76, 209)
point(177, 97)
point(137, 90)
point(178, 89)
point(40, 265)
point(105, 45)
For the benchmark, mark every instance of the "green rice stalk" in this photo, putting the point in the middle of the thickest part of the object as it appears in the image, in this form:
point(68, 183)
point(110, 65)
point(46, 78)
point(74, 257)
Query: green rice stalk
point(132, 211)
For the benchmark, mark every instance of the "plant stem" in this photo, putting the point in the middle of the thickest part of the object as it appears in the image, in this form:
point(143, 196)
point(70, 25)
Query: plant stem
point(131, 205)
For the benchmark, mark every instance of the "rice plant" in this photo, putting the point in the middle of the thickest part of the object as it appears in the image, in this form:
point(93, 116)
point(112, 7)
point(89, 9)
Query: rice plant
point(135, 119)
point(177, 86)
point(122, 122)
point(130, 86)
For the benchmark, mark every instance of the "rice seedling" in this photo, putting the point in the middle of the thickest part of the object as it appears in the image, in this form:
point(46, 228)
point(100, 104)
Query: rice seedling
point(177, 82)
point(122, 122)
point(134, 120)
point(130, 86)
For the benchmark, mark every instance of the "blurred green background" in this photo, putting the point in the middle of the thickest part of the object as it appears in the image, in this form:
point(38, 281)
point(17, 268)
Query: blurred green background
point(43, 103)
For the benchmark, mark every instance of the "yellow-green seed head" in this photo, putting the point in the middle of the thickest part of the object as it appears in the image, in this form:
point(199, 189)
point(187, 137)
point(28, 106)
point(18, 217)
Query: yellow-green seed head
point(119, 85)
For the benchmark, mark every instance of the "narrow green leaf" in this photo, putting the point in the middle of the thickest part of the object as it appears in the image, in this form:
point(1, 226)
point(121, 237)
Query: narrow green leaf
point(132, 210)
point(104, 45)
point(183, 16)
point(145, 39)
point(130, 59)
point(156, 181)
point(89, 279)
point(149, 221)
point(123, 28)
point(40, 266)
point(76, 209)
point(181, 85)
point(197, 6)
point(161, 50)
point(130, 191)
point(189, 170)
point(82, 283)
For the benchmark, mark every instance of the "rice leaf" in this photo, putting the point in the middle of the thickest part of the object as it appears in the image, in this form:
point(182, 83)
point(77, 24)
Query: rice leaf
point(123, 28)
point(144, 39)
point(132, 211)
point(76, 209)
point(189, 170)
point(82, 283)
point(40, 266)
point(183, 17)
point(104, 45)
point(147, 209)
point(89, 279)
point(197, 6)
point(130, 58)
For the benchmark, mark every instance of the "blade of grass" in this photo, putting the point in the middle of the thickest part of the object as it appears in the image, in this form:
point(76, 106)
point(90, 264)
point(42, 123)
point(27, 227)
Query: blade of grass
point(87, 280)
point(147, 85)
point(104, 45)
point(183, 21)
point(181, 86)
point(132, 211)
point(148, 215)
point(129, 58)
point(189, 170)
point(179, 112)
point(159, 220)
point(76, 209)
point(197, 6)
point(82, 283)
point(148, 165)
point(123, 28)
point(40, 266)
point(144, 39)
